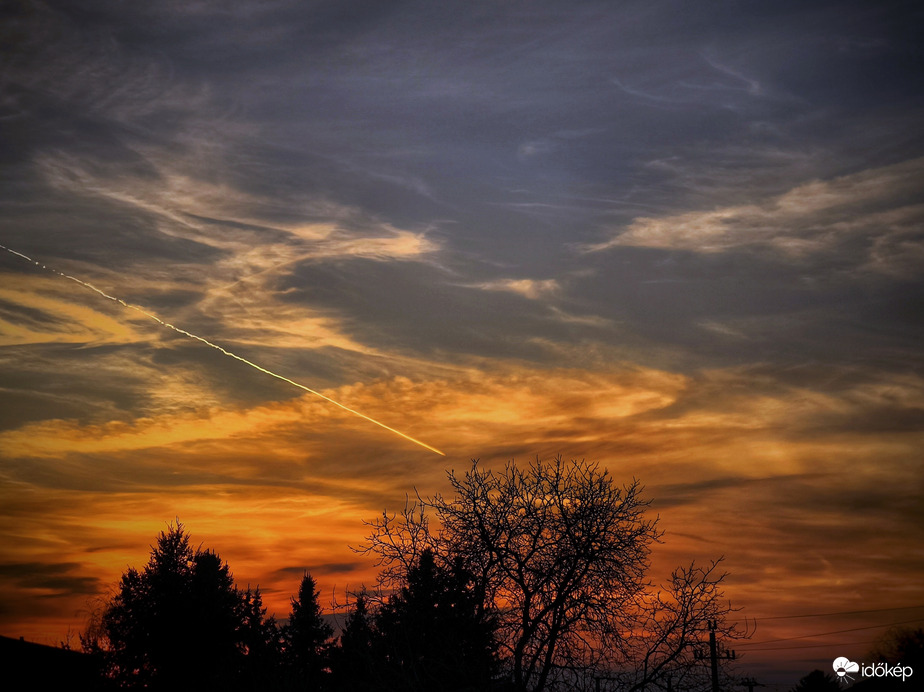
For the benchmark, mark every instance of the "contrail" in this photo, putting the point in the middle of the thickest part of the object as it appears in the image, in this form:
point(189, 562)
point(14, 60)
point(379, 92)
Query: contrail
point(224, 351)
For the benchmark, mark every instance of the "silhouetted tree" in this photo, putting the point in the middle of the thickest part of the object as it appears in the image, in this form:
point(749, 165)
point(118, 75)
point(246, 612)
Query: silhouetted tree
point(905, 646)
point(664, 637)
point(817, 681)
point(306, 638)
point(263, 645)
point(435, 632)
point(558, 554)
point(358, 658)
point(899, 646)
point(179, 623)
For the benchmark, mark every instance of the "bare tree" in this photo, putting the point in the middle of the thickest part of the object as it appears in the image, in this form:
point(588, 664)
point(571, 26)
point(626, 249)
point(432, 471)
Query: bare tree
point(558, 551)
point(398, 541)
point(671, 628)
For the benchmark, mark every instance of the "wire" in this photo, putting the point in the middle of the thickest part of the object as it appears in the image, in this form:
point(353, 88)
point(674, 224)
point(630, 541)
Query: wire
point(814, 646)
point(842, 612)
point(824, 634)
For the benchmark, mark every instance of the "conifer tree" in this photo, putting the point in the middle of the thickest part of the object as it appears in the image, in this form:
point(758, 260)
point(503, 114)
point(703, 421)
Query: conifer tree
point(179, 623)
point(307, 638)
point(435, 633)
point(354, 662)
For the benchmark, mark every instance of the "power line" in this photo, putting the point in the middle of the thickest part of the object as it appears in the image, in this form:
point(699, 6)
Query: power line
point(824, 634)
point(814, 646)
point(842, 612)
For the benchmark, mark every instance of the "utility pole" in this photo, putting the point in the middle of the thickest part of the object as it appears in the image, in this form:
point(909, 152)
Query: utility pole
point(750, 683)
point(714, 655)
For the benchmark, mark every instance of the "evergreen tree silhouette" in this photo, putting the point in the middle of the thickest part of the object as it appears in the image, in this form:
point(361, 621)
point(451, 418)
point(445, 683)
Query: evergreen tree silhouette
point(434, 632)
point(179, 623)
point(261, 639)
point(307, 638)
point(354, 662)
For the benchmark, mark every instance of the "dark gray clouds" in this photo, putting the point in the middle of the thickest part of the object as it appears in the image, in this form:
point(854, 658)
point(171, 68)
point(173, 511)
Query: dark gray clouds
point(513, 134)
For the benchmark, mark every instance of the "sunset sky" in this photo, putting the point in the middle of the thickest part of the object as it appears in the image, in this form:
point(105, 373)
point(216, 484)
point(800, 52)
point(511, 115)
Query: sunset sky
point(685, 240)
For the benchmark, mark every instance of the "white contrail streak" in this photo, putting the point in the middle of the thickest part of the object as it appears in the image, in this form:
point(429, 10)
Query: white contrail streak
point(219, 348)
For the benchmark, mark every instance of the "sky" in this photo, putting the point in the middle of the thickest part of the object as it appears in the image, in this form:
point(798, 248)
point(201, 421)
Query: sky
point(683, 240)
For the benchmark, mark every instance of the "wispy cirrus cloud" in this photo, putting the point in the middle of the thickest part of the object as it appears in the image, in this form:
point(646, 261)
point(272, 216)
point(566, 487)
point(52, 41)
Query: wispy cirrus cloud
point(222, 216)
point(528, 288)
point(871, 219)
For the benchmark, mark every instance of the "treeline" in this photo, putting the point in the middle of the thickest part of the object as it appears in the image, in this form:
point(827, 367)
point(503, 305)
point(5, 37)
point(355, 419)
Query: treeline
point(536, 579)
point(180, 623)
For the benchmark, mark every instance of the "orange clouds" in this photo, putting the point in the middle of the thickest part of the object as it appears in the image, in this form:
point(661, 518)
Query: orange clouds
point(475, 407)
point(47, 313)
point(736, 464)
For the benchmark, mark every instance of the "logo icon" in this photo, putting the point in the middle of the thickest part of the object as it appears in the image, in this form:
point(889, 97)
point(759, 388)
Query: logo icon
point(842, 666)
